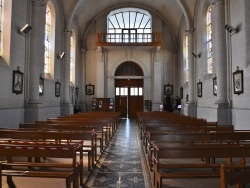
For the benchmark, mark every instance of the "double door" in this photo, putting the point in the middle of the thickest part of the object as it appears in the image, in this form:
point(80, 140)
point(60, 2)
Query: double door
point(129, 97)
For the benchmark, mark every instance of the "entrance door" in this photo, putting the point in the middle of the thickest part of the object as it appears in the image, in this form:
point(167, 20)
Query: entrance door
point(129, 97)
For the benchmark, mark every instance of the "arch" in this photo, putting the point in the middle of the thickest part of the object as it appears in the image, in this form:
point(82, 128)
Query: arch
point(137, 61)
point(71, 17)
point(129, 68)
point(186, 14)
point(125, 5)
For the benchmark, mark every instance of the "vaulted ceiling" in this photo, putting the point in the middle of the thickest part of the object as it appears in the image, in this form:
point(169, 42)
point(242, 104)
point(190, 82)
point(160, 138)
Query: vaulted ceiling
point(171, 11)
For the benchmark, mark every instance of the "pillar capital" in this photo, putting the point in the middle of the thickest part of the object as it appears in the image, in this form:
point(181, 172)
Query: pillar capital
point(39, 3)
point(190, 31)
point(218, 2)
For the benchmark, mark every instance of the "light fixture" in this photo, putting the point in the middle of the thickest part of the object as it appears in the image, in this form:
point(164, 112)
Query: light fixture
point(196, 55)
point(25, 30)
point(60, 56)
point(191, 29)
point(231, 29)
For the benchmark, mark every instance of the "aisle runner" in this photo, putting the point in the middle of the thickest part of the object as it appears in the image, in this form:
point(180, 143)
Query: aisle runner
point(121, 165)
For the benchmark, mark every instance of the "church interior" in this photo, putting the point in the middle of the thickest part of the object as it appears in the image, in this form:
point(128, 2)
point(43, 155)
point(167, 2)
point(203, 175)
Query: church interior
point(124, 93)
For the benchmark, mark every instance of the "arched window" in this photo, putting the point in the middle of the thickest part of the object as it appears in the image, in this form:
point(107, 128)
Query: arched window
point(72, 57)
point(185, 58)
point(129, 25)
point(1, 23)
point(5, 30)
point(209, 42)
point(49, 40)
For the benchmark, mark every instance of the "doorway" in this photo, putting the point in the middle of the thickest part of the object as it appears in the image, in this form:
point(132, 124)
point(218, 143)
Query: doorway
point(129, 92)
point(128, 97)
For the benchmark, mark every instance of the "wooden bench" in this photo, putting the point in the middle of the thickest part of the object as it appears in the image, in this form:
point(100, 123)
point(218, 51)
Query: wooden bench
point(234, 175)
point(103, 131)
point(69, 172)
point(193, 138)
point(66, 127)
point(192, 152)
point(57, 137)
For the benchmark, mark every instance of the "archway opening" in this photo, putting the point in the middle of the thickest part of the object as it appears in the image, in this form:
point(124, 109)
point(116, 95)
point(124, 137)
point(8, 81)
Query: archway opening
point(129, 89)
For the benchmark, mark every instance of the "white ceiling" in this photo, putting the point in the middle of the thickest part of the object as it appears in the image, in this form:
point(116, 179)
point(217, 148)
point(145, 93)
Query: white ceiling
point(171, 11)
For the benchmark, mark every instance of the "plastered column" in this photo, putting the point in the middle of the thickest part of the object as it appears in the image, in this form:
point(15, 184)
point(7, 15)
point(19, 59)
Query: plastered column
point(82, 92)
point(191, 109)
point(66, 75)
point(37, 50)
point(100, 76)
point(157, 80)
point(223, 113)
point(36, 65)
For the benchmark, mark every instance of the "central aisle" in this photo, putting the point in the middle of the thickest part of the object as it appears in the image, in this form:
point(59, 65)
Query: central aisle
point(122, 164)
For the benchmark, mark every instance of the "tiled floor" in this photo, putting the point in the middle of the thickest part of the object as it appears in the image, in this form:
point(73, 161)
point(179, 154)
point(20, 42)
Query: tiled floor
point(122, 164)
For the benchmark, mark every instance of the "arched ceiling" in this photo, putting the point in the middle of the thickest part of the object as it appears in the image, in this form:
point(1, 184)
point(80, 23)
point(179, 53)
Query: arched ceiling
point(172, 11)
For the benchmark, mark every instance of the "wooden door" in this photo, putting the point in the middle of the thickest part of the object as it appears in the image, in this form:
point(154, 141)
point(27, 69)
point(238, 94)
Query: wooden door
point(121, 103)
point(129, 97)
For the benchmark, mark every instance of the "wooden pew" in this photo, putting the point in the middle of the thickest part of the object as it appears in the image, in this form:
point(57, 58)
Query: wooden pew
point(196, 169)
point(56, 136)
point(101, 128)
point(175, 124)
point(192, 138)
point(65, 127)
point(71, 173)
point(234, 175)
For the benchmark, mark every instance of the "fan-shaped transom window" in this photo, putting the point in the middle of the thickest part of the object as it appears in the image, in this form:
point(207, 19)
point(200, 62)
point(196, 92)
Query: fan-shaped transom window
point(129, 25)
point(129, 69)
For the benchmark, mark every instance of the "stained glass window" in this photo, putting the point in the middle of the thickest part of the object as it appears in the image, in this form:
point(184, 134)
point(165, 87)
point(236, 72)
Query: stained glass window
point(72, 57)
point(1, 19)
point(186, 58)
point(47, 41)
point(209, 42)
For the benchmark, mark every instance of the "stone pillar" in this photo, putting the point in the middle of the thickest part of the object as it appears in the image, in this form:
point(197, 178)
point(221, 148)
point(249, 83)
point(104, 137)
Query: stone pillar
point(66, 110)
point(100, 76)
point(36, 67)
point(82, 89)
point(191, 109)
point(157, 80)
point(223, 113)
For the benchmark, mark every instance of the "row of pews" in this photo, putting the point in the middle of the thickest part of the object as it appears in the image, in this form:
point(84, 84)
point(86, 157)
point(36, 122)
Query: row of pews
point(37, 149)
point(178, 146)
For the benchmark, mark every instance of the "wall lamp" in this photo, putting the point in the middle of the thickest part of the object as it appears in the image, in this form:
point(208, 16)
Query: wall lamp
point(231, 29)
point(192, 29)
point(25, 30)
point(196, 55)
point(60, 56)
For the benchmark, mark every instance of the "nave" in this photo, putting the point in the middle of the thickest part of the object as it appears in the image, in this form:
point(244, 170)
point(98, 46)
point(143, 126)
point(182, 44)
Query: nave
point(122, 164)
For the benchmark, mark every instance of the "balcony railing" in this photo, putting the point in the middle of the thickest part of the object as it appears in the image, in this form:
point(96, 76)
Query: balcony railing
point(128, 39)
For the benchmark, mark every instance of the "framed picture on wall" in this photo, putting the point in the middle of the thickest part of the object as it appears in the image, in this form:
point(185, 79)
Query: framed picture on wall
point(17, 83)
point(199, 89)
point(215, 86)
point(238, 81)
point(181, 92)
point(168, 89)
point(57, 89)
point(90, 89)
point(41, 85)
